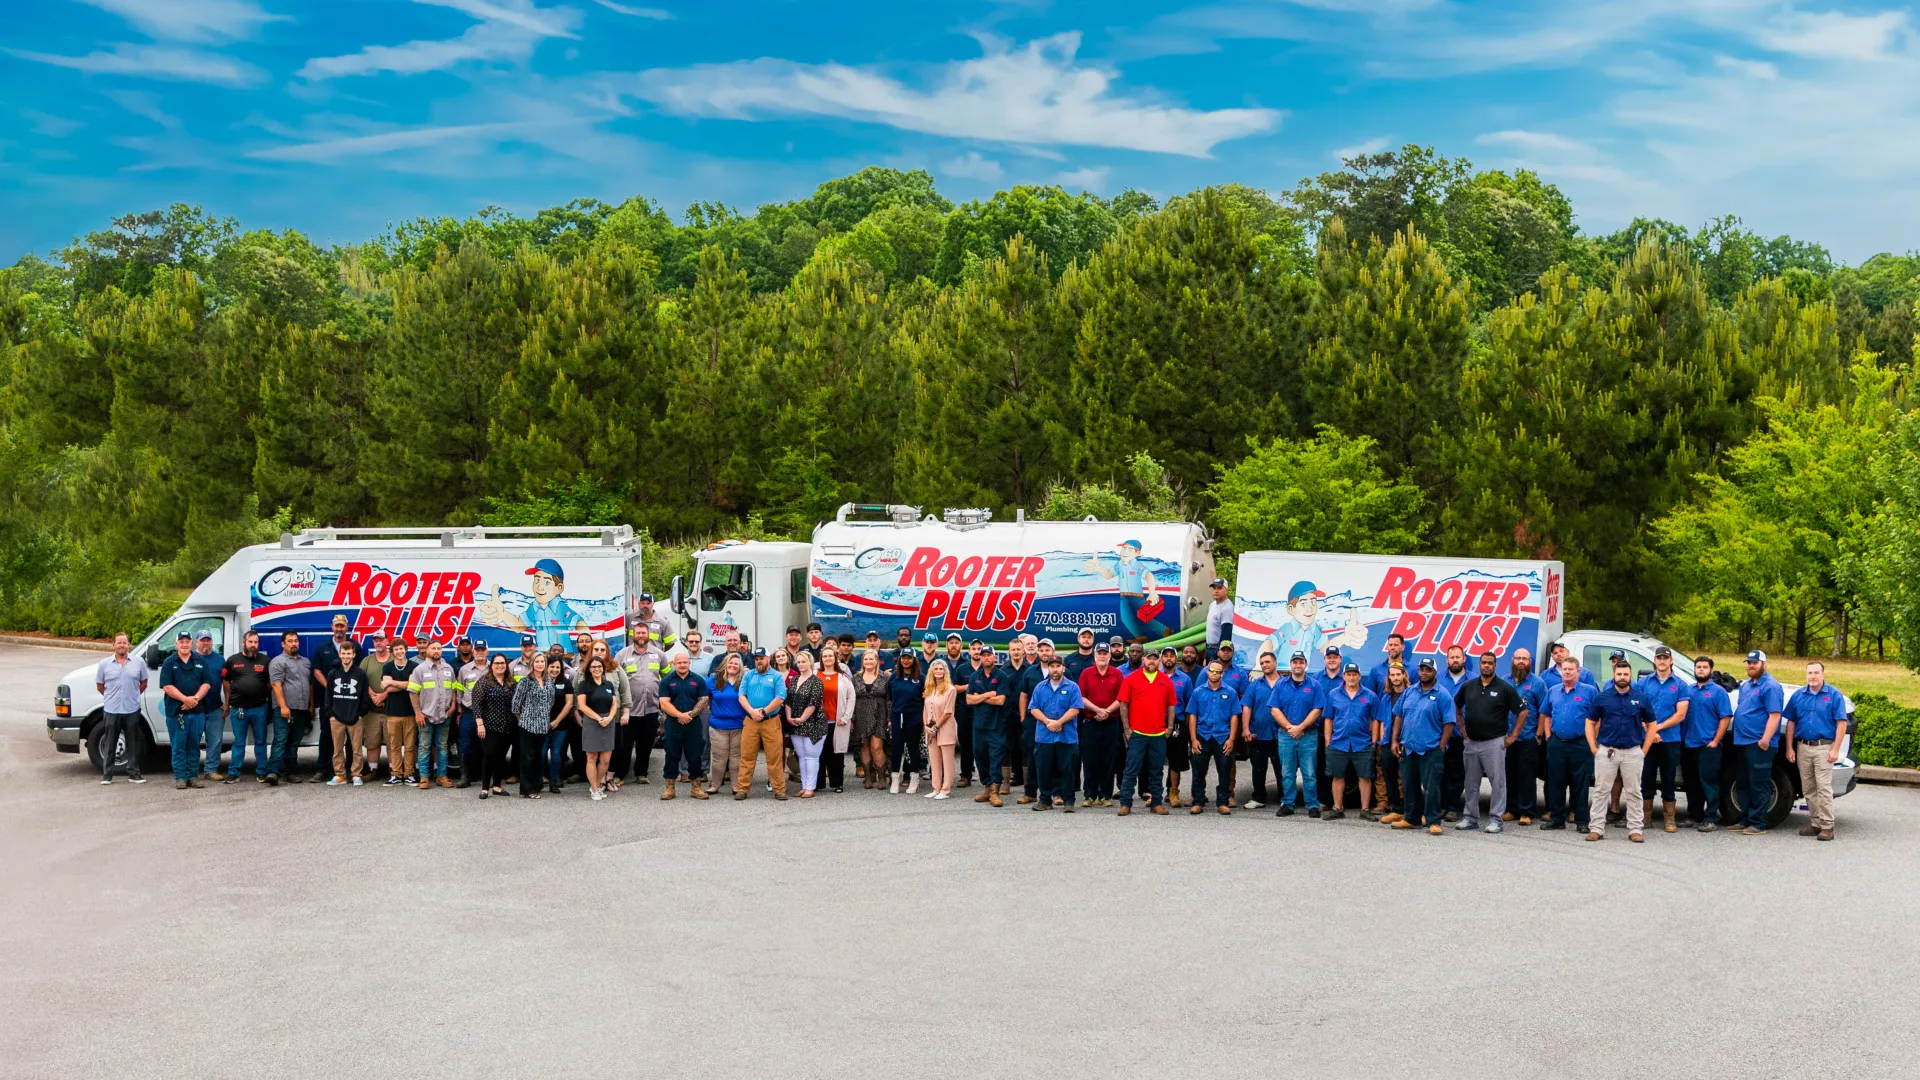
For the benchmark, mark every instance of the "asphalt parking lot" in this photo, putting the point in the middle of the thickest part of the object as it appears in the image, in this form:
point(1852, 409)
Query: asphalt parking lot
point(299, 931)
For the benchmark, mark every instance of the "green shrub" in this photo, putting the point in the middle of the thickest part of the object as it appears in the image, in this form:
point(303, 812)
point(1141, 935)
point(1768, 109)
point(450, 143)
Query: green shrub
point(1887, 734)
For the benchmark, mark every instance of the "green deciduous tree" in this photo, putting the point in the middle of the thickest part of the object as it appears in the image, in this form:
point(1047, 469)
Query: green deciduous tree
point(1325, 493)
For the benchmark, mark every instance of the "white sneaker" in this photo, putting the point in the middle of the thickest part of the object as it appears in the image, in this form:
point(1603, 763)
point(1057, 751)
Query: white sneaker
point(138, 780)
point(106, 781)
point(1253, 804)
point(598, 795)
point(913, 785)
point(894, 788)
point(942, 795)
point(356, 782)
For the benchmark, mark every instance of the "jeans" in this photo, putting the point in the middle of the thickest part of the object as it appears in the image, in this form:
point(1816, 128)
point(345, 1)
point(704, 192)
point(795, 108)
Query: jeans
point(989, 746)
point(433, 749)
point(1297, 756)
point(1099, 749)
point(1146, 761)
point(468, 734)
point(213, 731)
point(1569, 772)
point(277, 743)
point(906, 733)
point(247, 720)
point(555, 749)
point(1424, 778)
point(295, 727)
point(1260, 754)
point(1212, 751)
point(684, 752)
point(118, 725)
point(1756, 783)
point(1054, 764)
point(1523, 777)
point(1701, 764)
point(183, 737)
point(1661, 771)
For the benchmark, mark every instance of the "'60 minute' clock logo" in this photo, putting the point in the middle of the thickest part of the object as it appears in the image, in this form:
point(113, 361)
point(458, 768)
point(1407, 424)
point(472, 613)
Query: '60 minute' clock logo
point(287, 583)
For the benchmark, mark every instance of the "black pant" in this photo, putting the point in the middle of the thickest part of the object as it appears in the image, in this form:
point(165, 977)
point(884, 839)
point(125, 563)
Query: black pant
point(1322, 787)
point(1099, 748)
point(633, 747)
point(576, 768)
point(117, 725)
point(1028, 725)
point(1569, 775)
point(833, 764)
point(532, 746)
point(299, 722)
point(1701, 767)
point(486, 765)
point(1054, 764)
point(1212, 751)
point(1663, 758)
point(963, 723)
point(1453, 777)
point(1421, 773)
point(1261, 754)
point(1016, 758)
point(1523, 777)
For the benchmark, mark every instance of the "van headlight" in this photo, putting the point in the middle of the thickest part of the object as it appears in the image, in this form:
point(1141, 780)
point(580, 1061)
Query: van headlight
point(62, 701)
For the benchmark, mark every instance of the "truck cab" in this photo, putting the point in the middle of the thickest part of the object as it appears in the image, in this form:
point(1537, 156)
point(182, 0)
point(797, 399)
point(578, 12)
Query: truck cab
point(77, 714)
point(756, 588)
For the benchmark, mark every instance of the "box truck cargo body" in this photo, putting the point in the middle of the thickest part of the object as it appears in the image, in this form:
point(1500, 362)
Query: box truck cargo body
point(1287, 601)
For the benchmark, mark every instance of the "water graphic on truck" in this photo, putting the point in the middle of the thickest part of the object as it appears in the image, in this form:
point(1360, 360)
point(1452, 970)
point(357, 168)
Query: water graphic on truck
point(497, 600)
point(1053, 593)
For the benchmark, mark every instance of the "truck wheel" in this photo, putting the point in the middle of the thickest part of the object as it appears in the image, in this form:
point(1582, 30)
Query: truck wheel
point(131, 746)
point(1782, 794)
point(1733, 799)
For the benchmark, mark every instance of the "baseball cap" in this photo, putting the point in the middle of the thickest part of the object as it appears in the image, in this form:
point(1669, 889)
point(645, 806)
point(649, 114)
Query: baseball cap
point(549, 567)
point(1116, 640)
point(1298, 655)
point(1056, 660)
point(1047, 641)
point(646, 598)
point(1426, 661)
point(1354, 668)
point(1217, 583)
point(873, 633)
point(759, 652)
point(1662, 650)
point(791, 629)
point(1757, 656)
point(928, 637)
point(976, 641)
point(1102, 647)
point(204, 635)
point(813, 626)
point(526, 639)
point(339, 620)
point(1134, 544)
point(1333, 650)
point(1227, 646)
point(1169, 651)
point(1087, 630)
point(183, 636)
point(1303, 588)
point(955, 636)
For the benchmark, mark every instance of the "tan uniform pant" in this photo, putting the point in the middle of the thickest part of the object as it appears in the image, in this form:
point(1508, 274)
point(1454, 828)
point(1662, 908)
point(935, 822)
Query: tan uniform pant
point(346, 746)
point(758, 736)
point(400, 745)
point(1816, 781)
point(723, 755)
point(1625, 764)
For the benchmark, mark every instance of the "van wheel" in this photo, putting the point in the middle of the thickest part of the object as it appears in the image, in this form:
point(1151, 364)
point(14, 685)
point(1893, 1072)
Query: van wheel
point(131, 746)
point(1733, 799)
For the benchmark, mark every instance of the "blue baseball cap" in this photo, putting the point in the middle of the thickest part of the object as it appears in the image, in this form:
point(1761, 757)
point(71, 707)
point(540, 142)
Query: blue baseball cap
point(549, 567)
point(928, 637)
point(1303, 588)
point(1134, 544)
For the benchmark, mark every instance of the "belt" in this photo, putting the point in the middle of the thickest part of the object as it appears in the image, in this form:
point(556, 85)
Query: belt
point(1576, 738)
point(1814, 742)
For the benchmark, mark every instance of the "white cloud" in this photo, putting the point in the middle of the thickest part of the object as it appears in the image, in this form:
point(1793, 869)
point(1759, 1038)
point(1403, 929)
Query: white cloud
point(49, 125)
point(190, 20)
point(1090, 178)
point(636, 12)
point(145, 106)
point(1538, 142)
point(387, 142)
point(1371, 146)
point(1835, 35)
point(971, 166)
point(506, 31)
point(1039, 94)
point(155, 62)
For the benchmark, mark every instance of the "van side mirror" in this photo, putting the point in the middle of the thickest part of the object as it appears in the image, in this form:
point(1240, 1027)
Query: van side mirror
point(153, 657)
point(678, 601)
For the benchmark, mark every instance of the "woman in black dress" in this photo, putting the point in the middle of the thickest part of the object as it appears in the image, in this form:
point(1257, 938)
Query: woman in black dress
point(870, 703)
point(493, 705)
point(596, 702)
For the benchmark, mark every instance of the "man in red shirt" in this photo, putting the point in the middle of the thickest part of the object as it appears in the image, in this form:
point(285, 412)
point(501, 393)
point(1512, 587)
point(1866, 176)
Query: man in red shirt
point(1147, 700)
point(1100, 726)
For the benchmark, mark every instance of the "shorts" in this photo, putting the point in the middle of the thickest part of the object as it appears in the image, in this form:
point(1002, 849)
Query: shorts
point(373, 733)
point(1360, 760)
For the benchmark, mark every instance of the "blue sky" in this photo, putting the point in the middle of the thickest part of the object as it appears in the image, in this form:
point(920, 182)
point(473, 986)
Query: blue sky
point(340, 117)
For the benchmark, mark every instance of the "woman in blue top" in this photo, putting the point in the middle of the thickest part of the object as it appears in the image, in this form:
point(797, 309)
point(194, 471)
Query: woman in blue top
point(728, 716)
point(905, 722)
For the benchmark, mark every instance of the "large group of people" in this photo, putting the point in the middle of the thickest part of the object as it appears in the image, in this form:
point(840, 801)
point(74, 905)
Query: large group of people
point(1099, 724)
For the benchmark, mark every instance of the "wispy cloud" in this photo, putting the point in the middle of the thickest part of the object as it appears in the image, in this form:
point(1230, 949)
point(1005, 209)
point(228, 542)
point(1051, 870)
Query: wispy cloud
point(190, 20)
point(155, 62)
point(387, 142)
point(1040, 94)
point(1835, 35)
point(55, 127)
point(506, 31)
point(636, 12)
point(1371, 146)
point(1090, 178)
point(972, 166)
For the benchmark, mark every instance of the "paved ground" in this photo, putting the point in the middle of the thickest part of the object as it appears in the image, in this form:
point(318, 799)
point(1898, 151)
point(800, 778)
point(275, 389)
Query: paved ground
point(243, 931)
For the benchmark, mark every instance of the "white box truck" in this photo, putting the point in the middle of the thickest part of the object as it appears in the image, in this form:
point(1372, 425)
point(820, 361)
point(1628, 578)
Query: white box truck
point(961, 573)
point(496, 584)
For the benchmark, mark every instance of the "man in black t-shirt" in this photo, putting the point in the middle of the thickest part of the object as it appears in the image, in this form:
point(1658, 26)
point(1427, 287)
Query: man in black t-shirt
point(394, 676)
point(1484, 706)
point(683, 697)
point(248, 694)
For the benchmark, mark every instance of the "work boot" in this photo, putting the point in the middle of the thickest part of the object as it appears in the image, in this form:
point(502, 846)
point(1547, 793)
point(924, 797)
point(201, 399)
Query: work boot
point(993, 798)
point(668, 792)
point(1669, 812)
point(1809, 830)
point(988, 795)
point(698, 791)
point(1826, 834)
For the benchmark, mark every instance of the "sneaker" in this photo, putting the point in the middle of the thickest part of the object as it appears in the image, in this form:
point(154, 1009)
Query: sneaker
point(136, 779)
point(394, 781)
point(1751, 831)
point(273, 779)
point(339, 781)
point(258, 779)
point(233, 779)
point(1253, 804)
point(599, 795)
point(1333, 815)
point(1286, 810)
point(1313, 811)
point(357, 782)
point(1550, 826)
point(1493, 827)
point(1707, 826)
point(106, 781)
point(1467, 825)
point(929, 794)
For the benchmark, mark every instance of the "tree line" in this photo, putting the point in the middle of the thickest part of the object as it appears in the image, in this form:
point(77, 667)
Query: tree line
point(1711, 428)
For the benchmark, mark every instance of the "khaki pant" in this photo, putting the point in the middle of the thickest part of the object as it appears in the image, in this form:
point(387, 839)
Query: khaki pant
point(400, 744)
point(1625, 764)
point(723, 756)
point(346, 746)
point(1816, 781)
point(756, 736)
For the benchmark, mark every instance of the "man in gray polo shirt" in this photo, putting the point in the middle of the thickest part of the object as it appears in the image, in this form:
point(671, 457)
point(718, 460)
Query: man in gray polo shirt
point(290, 676)
point(120, 679)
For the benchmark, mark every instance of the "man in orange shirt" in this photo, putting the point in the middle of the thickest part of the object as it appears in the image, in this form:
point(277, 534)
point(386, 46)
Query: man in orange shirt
point(1147, 700)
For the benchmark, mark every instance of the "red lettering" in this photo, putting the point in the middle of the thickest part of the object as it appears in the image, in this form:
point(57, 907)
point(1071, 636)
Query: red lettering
point(933, 604)
point(1430, 635)
point(1474, 589)
point(943, 570)
point(353, 576)
point(368, 621)
point(1007, 571)
point(428, 619)
point(453, 621)
point(1421, 592)
point(1026, 606)
point(1006, 613)
point(404, 587)
point(397, 621)
point(1393, 588)
point(987, 571)
point(1447, 596)
point(980, 609)
point(378, 587)
point(1490, 600)
point(1491, 636)
point(1030, 568)
point(1516, 592)
point(1409, 625)
point(914, 574)
point(443, 588)
point(968, 572)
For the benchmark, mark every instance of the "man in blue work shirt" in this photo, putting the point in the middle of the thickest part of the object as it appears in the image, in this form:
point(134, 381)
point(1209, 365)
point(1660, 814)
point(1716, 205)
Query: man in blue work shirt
point(1025, 681)
point(1326, 680)
point(1081, 658)
point(184, 685)
point(1670, 697)
point(1619, 730)
point(1232, 677)
point(1421, 730)
point(987, 692)
point(1294, 705)
point(1706, 735)
point(1054, 706)
point(960, 669)
point(1816, 719)
point(213, 707)
point(1213, 725)
point(1258, 728)
point(1756, 721)
point(1396, 654)
point(1348, 720)
point(1558, 651)
point(1524, 751)
point(1565, 710)
point(1449, 679)
point(763, 691)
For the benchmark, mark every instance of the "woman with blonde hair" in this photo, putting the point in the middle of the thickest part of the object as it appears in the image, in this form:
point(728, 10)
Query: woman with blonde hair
point(943, 733)
point(870, 700)
point(806, 705)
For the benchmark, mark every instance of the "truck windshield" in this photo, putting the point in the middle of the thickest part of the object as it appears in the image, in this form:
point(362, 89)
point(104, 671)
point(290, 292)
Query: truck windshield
point(724, 583)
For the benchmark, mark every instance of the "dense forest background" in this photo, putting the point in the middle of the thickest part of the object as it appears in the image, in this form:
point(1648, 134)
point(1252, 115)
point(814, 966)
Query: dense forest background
point(1713, 429)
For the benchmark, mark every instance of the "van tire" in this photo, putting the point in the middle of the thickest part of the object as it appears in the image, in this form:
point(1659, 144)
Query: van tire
point(1783, 795)
point(134, 744)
